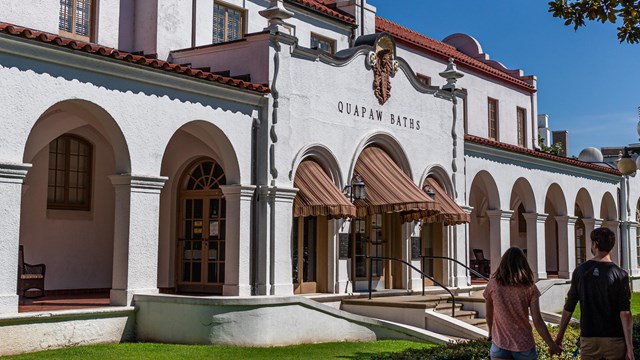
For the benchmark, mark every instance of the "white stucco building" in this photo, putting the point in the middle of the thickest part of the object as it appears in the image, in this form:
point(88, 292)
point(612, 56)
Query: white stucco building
point(170, 146)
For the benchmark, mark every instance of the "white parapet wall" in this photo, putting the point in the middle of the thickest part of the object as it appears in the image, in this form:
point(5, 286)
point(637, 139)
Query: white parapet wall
point(38, 331)
point(553, 295)
point(260, 321)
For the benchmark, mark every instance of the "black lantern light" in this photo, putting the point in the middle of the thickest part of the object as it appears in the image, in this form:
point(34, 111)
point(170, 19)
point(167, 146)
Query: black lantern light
point(355, 190)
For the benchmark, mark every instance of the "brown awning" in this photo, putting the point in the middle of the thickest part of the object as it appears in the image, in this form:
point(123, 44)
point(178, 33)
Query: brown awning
point(318, 195)
point(388, 188)
point(450, 212)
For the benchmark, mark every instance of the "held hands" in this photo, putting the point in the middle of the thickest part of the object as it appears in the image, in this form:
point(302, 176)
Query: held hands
point(554, 349)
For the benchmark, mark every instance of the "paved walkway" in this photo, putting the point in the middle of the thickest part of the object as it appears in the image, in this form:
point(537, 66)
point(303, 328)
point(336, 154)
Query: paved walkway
point(64, 302)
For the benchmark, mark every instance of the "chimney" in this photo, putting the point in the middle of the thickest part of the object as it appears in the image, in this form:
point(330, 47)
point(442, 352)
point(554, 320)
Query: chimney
point(365, 14)
point(543, 129)
point(562, 137)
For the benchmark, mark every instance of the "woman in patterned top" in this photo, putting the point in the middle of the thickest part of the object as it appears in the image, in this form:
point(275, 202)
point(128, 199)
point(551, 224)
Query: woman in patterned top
point(510, 294)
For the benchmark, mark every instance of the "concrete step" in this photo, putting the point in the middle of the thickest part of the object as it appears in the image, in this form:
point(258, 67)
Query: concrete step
point(447, 306)
point(476, 322)
point(460, 314)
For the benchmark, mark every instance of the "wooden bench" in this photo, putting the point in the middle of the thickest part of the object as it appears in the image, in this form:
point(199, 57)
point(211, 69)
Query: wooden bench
point(30, 276)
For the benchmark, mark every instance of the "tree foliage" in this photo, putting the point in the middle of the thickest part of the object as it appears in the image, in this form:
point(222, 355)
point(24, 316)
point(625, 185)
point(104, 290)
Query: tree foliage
point(625, 13)
point(554, 149)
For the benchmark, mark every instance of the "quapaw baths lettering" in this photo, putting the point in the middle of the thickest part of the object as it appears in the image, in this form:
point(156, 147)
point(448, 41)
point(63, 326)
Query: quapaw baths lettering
point(367, 113)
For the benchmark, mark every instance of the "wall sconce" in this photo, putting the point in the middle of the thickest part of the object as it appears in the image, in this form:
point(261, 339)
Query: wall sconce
point(355, 190)
point(426, 188)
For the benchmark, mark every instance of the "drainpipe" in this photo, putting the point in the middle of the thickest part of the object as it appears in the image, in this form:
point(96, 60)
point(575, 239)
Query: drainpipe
point(362, 17)
point(254, 206)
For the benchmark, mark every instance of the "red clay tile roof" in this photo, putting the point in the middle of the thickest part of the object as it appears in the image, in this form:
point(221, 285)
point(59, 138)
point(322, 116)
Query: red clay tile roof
point(446, 51)
point(112, 53)
point(539, 154)
point(322, 6)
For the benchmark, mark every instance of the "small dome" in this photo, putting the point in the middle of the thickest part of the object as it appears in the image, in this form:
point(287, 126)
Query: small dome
point(591, 155)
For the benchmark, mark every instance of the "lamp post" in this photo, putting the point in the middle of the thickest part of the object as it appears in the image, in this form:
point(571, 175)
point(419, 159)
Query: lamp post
point(356, 189)
point(628, 167)
point(626, 164)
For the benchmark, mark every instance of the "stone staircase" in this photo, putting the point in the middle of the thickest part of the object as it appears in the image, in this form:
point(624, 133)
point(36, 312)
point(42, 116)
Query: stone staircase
point(468, 316)
point(429, 312)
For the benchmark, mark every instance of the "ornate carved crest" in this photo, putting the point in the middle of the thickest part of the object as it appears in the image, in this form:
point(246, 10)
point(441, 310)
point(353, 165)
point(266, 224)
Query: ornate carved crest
point(384, 66)
point(382, 71)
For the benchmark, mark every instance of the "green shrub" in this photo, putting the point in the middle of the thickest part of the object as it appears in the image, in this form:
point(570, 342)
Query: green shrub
point(469, 350)
point(479, 349)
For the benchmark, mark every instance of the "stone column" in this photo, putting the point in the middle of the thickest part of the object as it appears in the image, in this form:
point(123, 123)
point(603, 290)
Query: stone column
point(499, 232)
point(280, 215)
point(536, 244)
point(632, 230)
point(11, 178)
point(412, 230)
point(462, 277)
point(343, 278)
point(589, 225)
point(566, 245)
point(237, 276)
point(135, 245)
point(614, 225)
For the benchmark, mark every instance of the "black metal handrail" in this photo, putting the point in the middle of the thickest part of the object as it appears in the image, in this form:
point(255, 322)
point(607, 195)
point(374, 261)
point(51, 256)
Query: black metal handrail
point(456, 261)
point(371, 258)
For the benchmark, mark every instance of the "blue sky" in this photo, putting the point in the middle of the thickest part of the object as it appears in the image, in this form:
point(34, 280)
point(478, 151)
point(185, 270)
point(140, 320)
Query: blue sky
point(588, 82)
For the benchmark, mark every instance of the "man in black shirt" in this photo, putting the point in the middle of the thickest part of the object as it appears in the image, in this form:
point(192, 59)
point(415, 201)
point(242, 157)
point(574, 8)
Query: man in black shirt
point(602, 288)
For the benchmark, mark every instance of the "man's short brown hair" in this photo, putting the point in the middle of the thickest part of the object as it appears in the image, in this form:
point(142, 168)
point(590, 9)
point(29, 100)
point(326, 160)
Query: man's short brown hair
point(604, 238)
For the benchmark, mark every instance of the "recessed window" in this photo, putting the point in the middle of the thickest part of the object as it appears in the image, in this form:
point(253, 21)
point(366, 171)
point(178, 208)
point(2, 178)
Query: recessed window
point(493, 119)
point(322, 43)
point(424, 79)
point(76, 19)
point(228, 23)
point(522, 130)
point(69, 185)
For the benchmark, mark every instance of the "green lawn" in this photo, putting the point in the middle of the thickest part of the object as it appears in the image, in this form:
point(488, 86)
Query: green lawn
point(164, 351)
point(635, 306)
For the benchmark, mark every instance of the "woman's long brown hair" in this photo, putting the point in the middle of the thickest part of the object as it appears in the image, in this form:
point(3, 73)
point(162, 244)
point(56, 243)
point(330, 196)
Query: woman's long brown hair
point(514, 270)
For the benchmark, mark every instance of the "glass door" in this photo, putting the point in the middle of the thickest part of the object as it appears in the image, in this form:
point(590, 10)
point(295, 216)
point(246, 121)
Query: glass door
point(202, 245)
point(368, 240)
point(201, 227)
point(304, 255)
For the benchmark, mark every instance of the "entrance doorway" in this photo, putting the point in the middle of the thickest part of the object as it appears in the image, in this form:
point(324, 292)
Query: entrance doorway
point(305, 255)
point(368, 240)
point(309, 255)
point(201, 230)
point(432, 245)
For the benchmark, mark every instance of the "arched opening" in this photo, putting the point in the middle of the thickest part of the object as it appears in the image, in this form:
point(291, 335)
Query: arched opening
point(483, 197)
point(519, 228)
point(317, 204)
point(609, 216)
point(201, 229)
point(382, 226)
point(583, 211)
point(555, 232)
point(436, 233)
point(68, 201)
point(197, 230)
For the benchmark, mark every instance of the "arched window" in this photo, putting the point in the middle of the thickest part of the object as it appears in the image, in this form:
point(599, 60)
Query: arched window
point(69, 186)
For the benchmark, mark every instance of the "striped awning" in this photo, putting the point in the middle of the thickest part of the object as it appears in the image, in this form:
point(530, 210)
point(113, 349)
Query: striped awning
point(318, 195)
point(450, 212)
point(388, 188)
